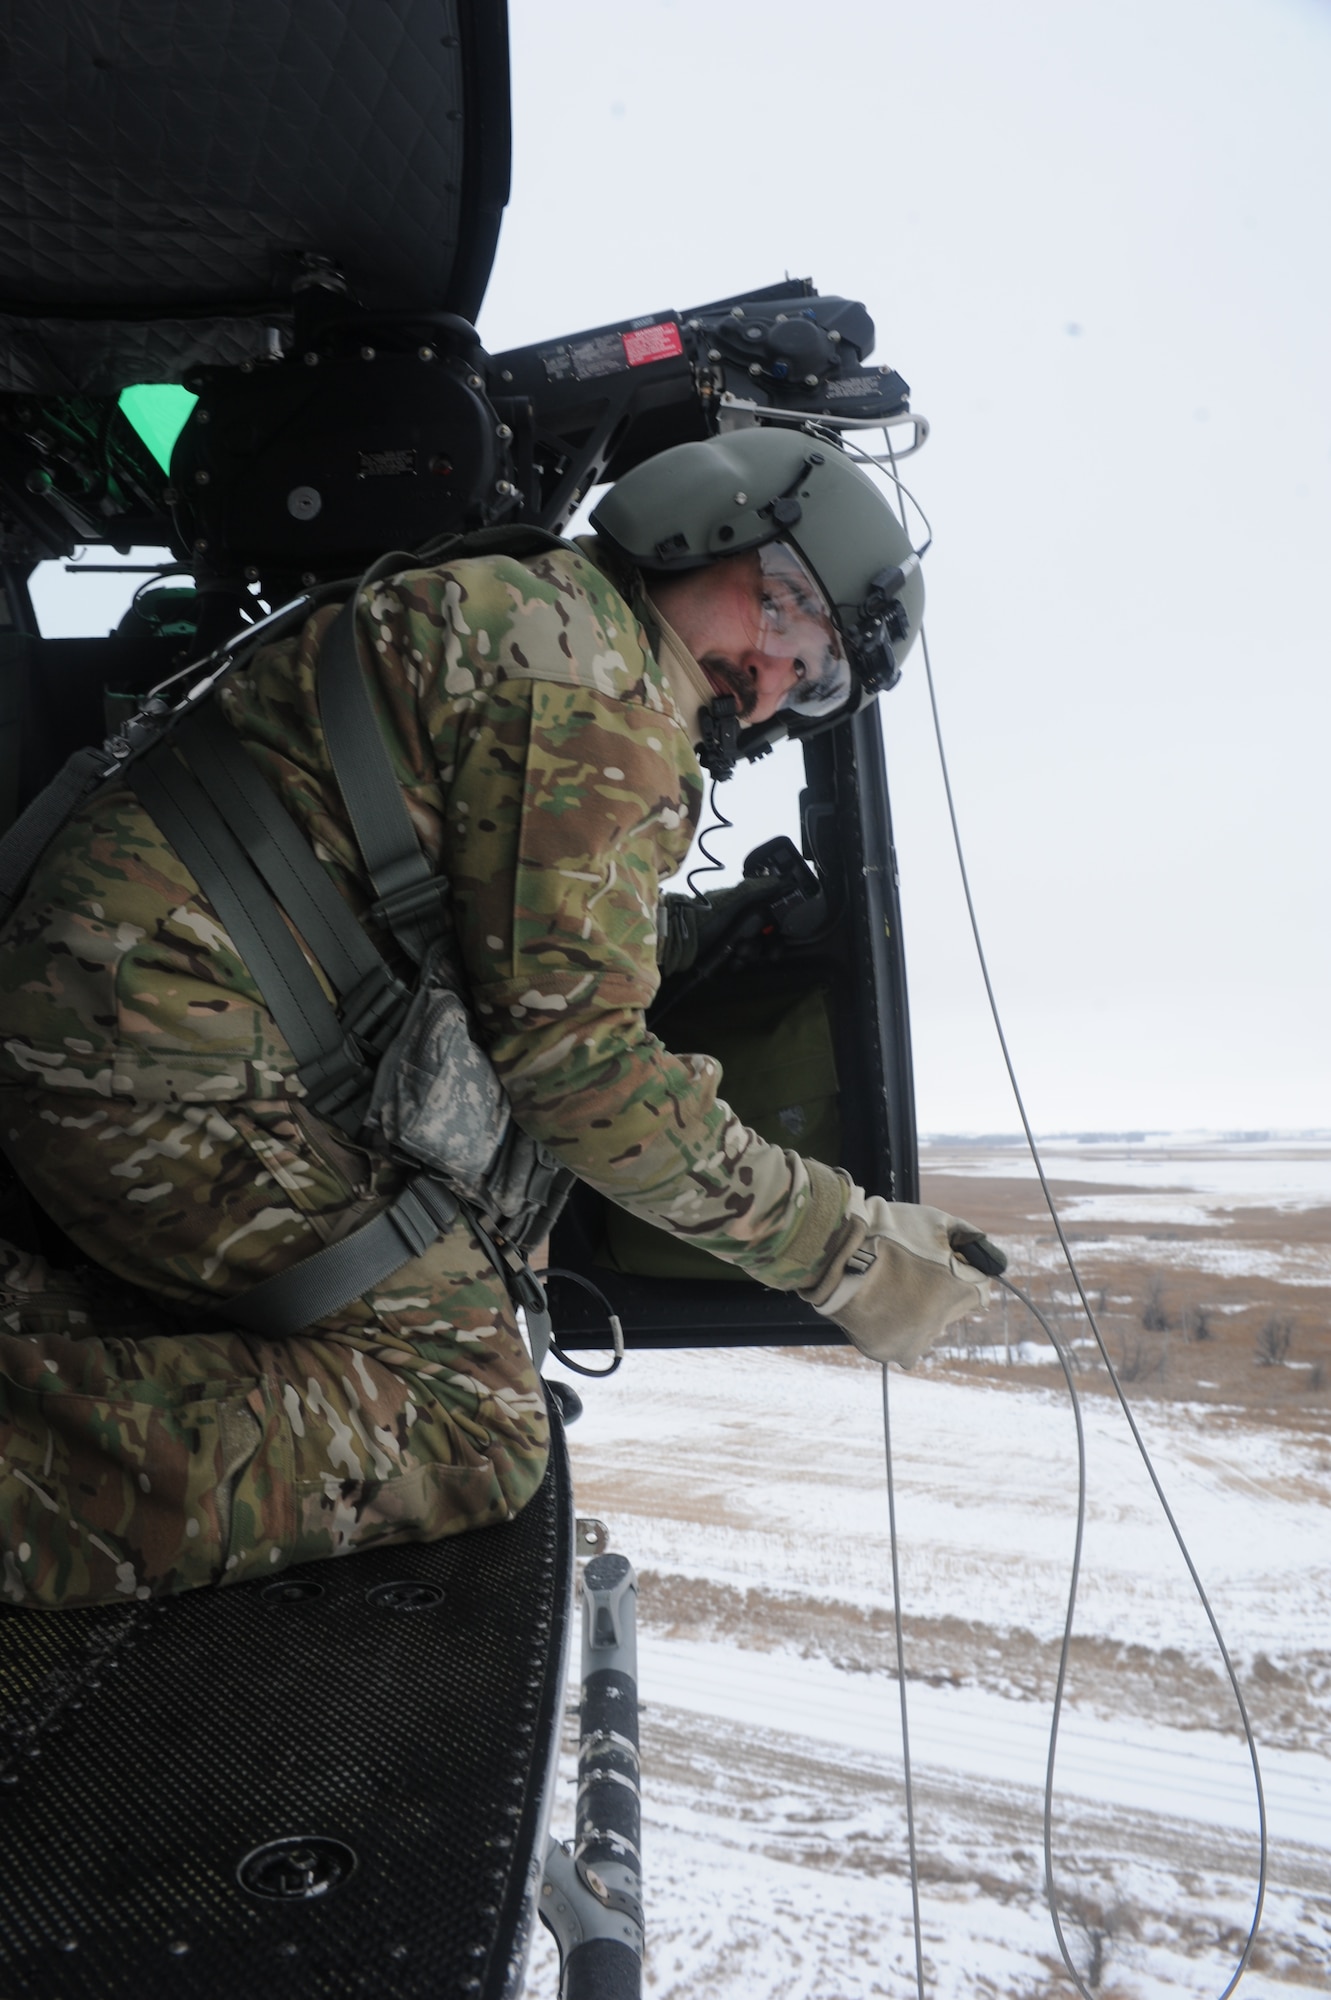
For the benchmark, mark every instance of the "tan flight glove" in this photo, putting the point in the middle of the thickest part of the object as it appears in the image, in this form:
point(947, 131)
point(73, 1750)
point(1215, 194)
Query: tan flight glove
point(898, 1278)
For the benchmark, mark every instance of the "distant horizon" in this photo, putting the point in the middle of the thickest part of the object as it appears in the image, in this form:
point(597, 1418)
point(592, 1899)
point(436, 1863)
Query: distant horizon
point(1140, 1136)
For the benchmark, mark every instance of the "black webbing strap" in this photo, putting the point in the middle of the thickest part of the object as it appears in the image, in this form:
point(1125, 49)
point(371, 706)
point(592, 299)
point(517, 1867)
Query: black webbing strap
point(409, 893)
point(329, 1066)
point(38, 824)
point(371, 1000)
point(323, 1283)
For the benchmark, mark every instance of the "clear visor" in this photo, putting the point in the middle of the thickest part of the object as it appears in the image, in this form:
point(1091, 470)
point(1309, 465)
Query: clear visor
point(797, 626)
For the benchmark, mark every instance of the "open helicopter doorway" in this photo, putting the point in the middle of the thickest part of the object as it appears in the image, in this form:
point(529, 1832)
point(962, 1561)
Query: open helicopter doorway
point(344, 404)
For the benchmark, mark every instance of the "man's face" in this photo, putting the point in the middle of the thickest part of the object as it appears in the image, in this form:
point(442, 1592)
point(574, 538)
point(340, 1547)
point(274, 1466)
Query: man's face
point(749, 632)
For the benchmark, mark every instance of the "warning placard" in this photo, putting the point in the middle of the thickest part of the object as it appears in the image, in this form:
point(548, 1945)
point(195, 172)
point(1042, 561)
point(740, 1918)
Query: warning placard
point(652, 343)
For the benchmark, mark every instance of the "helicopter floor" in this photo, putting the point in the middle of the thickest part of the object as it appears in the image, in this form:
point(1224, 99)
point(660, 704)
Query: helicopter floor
point(333, 1783)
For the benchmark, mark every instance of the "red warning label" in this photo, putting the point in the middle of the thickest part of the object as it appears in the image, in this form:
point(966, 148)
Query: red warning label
point(652, 343)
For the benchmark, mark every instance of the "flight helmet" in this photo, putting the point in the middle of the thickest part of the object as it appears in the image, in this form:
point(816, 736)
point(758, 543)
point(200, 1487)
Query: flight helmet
point(840, 582)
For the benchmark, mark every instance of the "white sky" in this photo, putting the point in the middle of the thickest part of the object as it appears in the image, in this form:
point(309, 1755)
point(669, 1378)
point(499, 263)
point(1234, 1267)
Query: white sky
point(1093, 239)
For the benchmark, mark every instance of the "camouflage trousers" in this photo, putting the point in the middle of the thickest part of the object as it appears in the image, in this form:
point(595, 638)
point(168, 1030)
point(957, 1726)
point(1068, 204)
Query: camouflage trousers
point(137, 1458)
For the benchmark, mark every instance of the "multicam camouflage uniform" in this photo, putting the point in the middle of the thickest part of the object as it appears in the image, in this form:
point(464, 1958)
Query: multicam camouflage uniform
point(149, 1100)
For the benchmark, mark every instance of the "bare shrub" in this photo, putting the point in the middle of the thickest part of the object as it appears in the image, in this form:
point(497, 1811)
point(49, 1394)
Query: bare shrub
point(1155, 1318)
point(1273, 1341)
point(1197, 1324)
point(1317, 1378)
point(1140, 1359)
point(1099, 1929)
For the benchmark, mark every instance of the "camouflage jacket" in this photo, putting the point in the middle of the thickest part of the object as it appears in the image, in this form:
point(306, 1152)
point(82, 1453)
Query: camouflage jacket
point(550, 776)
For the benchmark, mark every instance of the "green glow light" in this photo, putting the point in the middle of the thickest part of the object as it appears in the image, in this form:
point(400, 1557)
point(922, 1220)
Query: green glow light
point(158, 411)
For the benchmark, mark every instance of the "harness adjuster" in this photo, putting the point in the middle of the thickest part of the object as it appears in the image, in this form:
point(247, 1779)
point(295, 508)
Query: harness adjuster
point(373, 1010)
point(416, 907)
point(337, 1086)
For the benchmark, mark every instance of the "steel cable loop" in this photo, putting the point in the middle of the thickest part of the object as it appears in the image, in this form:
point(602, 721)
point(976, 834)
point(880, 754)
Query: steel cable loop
point(901, 1685)
point(1137, 1438)
point(1051, 1894)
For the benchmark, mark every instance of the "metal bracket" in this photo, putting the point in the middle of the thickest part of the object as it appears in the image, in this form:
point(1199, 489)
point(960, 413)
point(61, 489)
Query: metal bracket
point(593, 1537)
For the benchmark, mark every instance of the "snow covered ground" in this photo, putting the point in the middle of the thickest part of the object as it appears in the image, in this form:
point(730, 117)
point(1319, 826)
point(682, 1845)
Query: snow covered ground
point(747, 1488)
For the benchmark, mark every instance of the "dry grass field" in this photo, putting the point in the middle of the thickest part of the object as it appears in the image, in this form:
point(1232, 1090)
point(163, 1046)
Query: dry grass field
point(1201, 1297)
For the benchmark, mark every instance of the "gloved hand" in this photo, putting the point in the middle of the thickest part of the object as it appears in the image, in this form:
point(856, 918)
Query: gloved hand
point(901, 1275)
point(689, 928)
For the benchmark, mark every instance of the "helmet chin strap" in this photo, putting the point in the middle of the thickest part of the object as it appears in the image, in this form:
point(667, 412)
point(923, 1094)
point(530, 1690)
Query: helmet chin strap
point(714, 716)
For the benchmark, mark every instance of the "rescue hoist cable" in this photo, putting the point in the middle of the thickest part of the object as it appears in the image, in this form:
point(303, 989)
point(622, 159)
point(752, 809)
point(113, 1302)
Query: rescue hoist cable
point(1138, 1440)
point(901, 1687)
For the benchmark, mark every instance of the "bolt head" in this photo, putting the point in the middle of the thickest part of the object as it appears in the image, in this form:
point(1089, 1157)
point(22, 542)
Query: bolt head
point(425, 354)
point(367, 354)
point(310, 358)
point(755, 368)
point(811, 381)
point(304, 503)
point(203, 478)
point(506, 375)
point(741, 499)
point(503, 431)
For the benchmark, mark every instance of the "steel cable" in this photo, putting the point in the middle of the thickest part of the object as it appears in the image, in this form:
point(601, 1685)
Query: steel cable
point(1137, 1437)
point(901, 1685)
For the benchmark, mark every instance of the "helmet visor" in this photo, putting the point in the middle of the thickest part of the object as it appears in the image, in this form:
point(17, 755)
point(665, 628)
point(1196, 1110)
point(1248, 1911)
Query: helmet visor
point(797, 627)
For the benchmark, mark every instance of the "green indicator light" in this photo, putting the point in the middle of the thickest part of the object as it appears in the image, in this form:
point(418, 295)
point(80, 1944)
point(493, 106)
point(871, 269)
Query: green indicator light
point(158, 410)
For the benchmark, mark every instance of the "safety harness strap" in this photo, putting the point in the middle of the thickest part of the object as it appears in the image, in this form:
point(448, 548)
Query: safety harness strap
point(38, 824)
point(329, 1066)
point(411, 898)
point(24, 843)
point(328, 1280)
point(278, 849)
point(370, 999)
point(409, 892)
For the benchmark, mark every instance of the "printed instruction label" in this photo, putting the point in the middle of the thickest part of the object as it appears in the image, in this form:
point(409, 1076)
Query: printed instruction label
point(652, 343)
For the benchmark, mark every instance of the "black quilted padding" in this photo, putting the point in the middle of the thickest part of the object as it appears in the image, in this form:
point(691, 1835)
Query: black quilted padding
point(145, 1752)
point(40, 357)
point(168, 158)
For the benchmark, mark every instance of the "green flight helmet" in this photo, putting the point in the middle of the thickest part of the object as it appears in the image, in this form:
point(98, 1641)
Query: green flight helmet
point(698, 503)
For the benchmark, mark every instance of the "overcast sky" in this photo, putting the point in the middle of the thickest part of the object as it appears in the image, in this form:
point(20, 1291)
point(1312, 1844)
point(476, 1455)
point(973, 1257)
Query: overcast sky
point(1094, 240)
point(1093, 236)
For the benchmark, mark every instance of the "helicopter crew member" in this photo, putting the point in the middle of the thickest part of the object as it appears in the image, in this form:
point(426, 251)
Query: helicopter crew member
point(541, 717)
